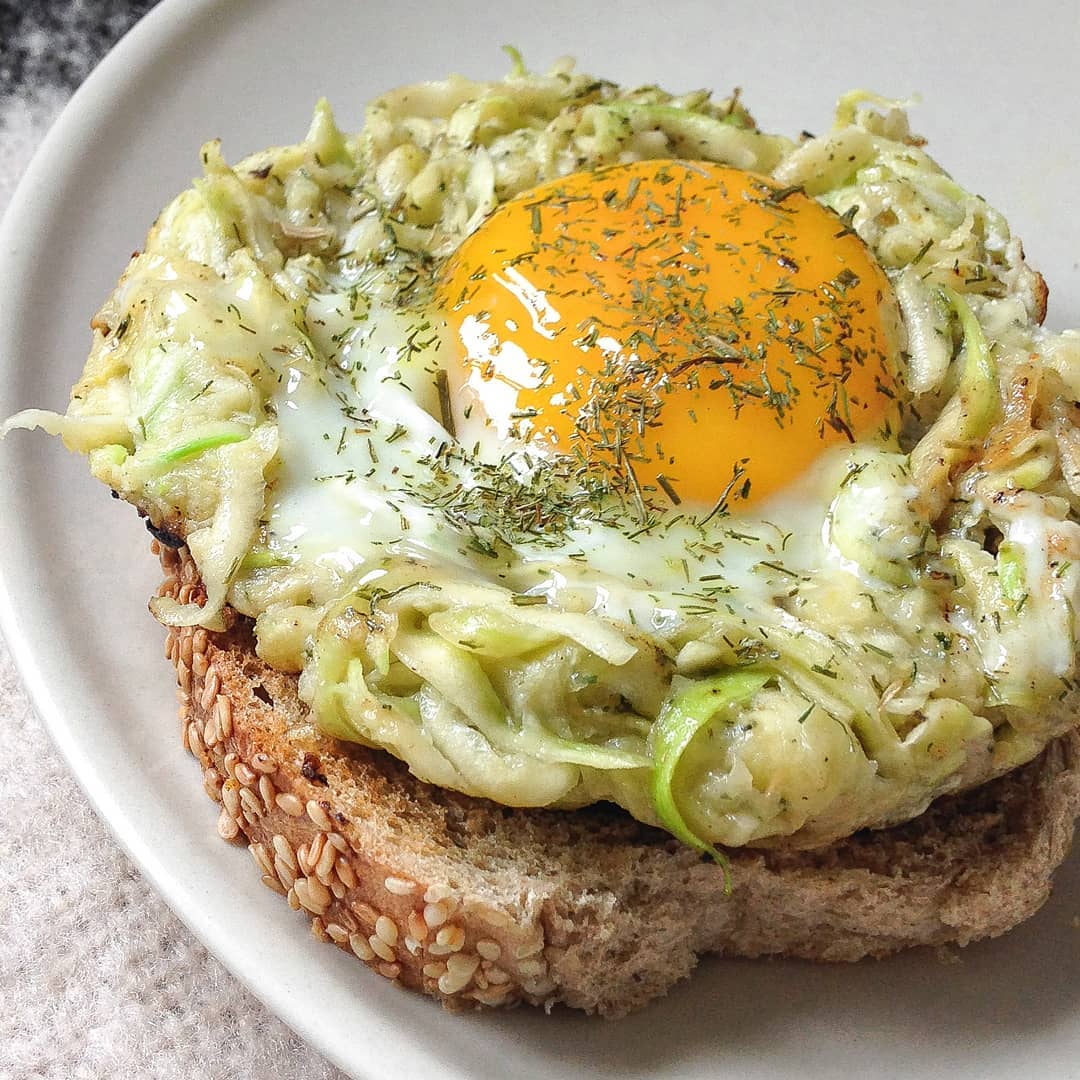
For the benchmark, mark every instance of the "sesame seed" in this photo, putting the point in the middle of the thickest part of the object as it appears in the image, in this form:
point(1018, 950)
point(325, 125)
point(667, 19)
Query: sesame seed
point(538, 987)
point(227, 826)
point(284, 850)
point(319, 816)
point(391, 971)
point(434, 970)
point(223, 711)
point(231, 759)
point(285, 874)
point(318, 929)
point(289, 804)
point(324, 868)
point(435, 914)
point(338, 889)
point(230, 797)
point(294, 900)
point(495, 976)
point(300, 889)
point(488, 949)
point(381, 949)
point(439, 950)
point(435, 893)
point(250, 804)
point(387, 929)
point(266, 791)
point(272, 882)
point(412, 944)
point(457, 977)
point(318, 891)
point(263, 763)
point(195, 739)
point(461, 963)
point(494, 918)
point(262, 860)
point(338, 841)
point(210, 691)
point(212, 783)
point(366, 913)
point(417, 927)
point(450, 985)
point(453, 937)
point(303, 860)
point(359, 945)
point(399, 886)
point(345, 872)
point(245, 774)
point(493, 997)
point(337, 932)
point(312, 895)
point(211, 736)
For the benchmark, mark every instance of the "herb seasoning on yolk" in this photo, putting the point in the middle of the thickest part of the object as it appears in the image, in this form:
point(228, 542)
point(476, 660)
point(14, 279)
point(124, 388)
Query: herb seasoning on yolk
point(673, 326)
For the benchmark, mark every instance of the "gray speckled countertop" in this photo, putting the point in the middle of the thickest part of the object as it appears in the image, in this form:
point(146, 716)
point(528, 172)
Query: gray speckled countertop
point(100, 978)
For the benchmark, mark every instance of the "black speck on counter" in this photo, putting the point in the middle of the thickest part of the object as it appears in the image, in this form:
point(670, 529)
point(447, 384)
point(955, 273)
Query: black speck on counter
point(55, 45)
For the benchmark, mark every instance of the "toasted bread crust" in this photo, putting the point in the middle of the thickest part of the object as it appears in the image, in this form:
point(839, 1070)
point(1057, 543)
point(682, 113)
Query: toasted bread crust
point(480, 905)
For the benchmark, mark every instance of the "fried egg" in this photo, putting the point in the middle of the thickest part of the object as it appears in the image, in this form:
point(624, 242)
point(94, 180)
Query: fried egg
point(667, 323)
point(653, 344)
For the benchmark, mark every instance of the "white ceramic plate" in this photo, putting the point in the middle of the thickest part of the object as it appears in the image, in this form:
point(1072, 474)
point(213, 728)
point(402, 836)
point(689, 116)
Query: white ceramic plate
point(1000, 111)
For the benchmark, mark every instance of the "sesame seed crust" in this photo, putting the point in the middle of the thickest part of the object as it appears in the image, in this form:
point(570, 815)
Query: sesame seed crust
point(309, 854)
point(481, 907)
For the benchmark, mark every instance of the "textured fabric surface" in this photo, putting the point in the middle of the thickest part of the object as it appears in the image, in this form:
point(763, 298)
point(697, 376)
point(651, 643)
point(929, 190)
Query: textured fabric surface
point(100, 979)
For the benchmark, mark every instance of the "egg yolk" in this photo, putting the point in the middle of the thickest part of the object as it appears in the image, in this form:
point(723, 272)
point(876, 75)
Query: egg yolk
point(683, 331)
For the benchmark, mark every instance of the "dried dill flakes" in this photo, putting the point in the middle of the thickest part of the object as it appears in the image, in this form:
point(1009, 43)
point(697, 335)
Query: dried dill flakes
point(528, 599)
point(442, 385)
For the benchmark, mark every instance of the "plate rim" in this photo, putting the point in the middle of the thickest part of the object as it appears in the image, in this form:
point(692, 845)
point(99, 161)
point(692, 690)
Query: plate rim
point(148, 36)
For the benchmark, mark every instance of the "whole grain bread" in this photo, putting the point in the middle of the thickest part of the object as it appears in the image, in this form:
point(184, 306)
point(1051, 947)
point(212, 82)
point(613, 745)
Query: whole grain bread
point(481, 905)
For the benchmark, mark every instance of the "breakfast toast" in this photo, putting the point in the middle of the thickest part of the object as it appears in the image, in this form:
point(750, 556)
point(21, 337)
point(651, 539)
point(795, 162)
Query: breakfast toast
point(483, 905)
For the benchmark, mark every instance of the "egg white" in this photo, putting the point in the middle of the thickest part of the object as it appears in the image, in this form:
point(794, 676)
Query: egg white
point(357, 440)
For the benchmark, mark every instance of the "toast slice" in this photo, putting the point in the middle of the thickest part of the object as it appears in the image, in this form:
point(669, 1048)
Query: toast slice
point(481, 905)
